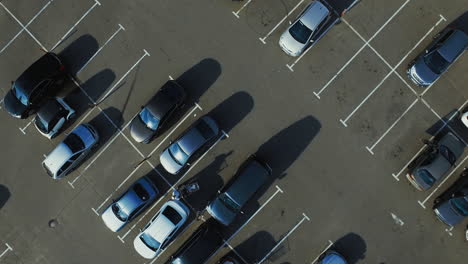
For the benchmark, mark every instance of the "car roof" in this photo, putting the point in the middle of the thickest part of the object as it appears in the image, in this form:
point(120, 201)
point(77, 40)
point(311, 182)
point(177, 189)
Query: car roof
point(129, 201)
point(314, 15)
point(165, 99)
point(452, 142)
point(41, 69)
point(249, 179)
point(160, 228)
point(454, 45)
point(196, 136)
point(49, 111)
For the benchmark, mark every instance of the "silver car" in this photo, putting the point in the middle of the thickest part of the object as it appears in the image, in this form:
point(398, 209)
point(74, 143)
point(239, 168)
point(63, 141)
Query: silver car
point(310, 26)
point(71, 151)
point(158, 233)
point(52, 116)
point(123, 210)
point(180, 153)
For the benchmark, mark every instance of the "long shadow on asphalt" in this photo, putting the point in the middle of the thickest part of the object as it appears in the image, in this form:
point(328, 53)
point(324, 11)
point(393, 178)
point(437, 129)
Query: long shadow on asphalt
point(254, 248)
point(352, 247)
point(451, 122)
point(4, 195)
point(78, 53)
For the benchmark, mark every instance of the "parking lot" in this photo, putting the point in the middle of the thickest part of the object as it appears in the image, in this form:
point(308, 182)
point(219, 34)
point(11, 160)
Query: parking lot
point(338, 125)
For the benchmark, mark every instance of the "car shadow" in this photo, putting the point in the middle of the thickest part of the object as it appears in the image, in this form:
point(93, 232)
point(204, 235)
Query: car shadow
point(78, 53)
point(352, 246)
point(4, 195)
point(451, 122)
point(254, 248)
point(460, 22)
point(341, 6)
point(94, 87)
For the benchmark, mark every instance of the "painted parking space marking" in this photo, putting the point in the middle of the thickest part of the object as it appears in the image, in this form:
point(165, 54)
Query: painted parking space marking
point(9, 248)
point(102, 47)
point(27, 25)
point(145, 53)
point(330, 244)
point(96, 3)
point(279, 23)
point(397, 220)
point(23, 129)
point(423, 203)
point(236, 13)
point(449, 230)
point(304, 217)
point(317, 94)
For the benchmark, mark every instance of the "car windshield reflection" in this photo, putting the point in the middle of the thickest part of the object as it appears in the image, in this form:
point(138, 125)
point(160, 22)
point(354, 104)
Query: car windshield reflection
point(300, 32)
point(20, 95)
point(178, 154)
point(150, 120)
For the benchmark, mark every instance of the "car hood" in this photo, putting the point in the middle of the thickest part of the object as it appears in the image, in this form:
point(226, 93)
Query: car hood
point(447, 214)
point(13, 106)
point(139, 131)
point(290, 45)
point(220, 212)
point(422, 73)
point(142, 249)
point(111, 221)
point(169, 163)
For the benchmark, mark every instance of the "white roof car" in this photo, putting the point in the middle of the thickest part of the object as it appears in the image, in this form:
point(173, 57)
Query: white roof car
point(52, 116)
point(157, 234)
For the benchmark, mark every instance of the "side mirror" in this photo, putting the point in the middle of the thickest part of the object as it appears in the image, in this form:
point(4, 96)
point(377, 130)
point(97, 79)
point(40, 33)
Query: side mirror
point(188, 164)
point(242, 212)
point(142, 106)
point(427, 51)
point(219, 191)
point(290, 22)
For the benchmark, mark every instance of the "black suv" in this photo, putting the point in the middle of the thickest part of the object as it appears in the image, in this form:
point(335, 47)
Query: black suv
point(39, 82)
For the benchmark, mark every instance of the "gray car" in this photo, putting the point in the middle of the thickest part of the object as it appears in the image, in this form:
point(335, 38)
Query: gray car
point(432, 165)
point(183, 150)
point(252, 175)
point(309, 27)
point(134, 201)
point(71, 151)
point(436, 59)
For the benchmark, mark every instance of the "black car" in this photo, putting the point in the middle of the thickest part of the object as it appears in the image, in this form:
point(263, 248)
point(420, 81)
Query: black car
point(38, 83)
point(52, 116)
point(155, 114)
point(247, 181)
point(451, 207)
point(201, 245)
point(447, 46)
point(229, 260)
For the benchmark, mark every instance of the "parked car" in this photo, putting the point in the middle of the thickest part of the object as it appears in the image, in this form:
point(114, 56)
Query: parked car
point(201, 245)
point(181, 152)
point(229, 260)
point(332, 257)
point(71, 151)
point(464, 119)
point(35, 85)
point(447, 46)
point(451, 207)
point(134, 201)
point(432, 165)
point(310, 26)
point(247, 181)
point(157, 112)
point(52, 116)
point(158, 233)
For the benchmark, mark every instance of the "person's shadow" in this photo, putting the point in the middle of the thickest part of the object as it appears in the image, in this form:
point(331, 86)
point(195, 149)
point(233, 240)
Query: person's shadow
point(352, 247)
point(4, 195)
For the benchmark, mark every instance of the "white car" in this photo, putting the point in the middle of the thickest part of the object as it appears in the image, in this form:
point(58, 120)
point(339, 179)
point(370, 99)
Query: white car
point(157, 234)
point(464, 119)
point(51, 117)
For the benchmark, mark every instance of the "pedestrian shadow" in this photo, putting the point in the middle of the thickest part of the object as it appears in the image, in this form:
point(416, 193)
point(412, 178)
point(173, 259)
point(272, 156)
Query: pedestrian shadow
point(352, 246)
point(78, 53)
point(4, 195)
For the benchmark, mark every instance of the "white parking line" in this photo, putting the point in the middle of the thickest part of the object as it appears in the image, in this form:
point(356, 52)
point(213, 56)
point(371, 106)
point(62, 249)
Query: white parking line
point(240, 9)
point(397, 220)
point(441, 183)
point(1, 103)
point(21, 24)
point(100, 48)
point(9, 248)
point(277, 25)
point(330, 244)
point(96, 3)
point(371, 149)
point(22, 30)
point(170, 189)
point(449, 230)
point(178, 124)
point(317, 94)
point(392, 68)
point(96, 210)
point(278, 190)
point(23, 130)
point(125, 75)
point(305, 217)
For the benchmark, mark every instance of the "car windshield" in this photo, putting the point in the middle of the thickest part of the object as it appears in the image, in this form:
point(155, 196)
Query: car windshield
point(300, 32)
point(119, 213)
point(228, 202)
point(171, 214)
point(426, 177)
point(20, 95)
point(461, 205)
point(444, 151)
point(178, 154)
point(150, 120)
point(74, 143)
point(436, 62)
point(150, 242)
point(42, 125)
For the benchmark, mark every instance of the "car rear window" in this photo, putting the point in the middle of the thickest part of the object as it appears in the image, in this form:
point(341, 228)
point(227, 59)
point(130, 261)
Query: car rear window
point(74, 143)
point(172, 215)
